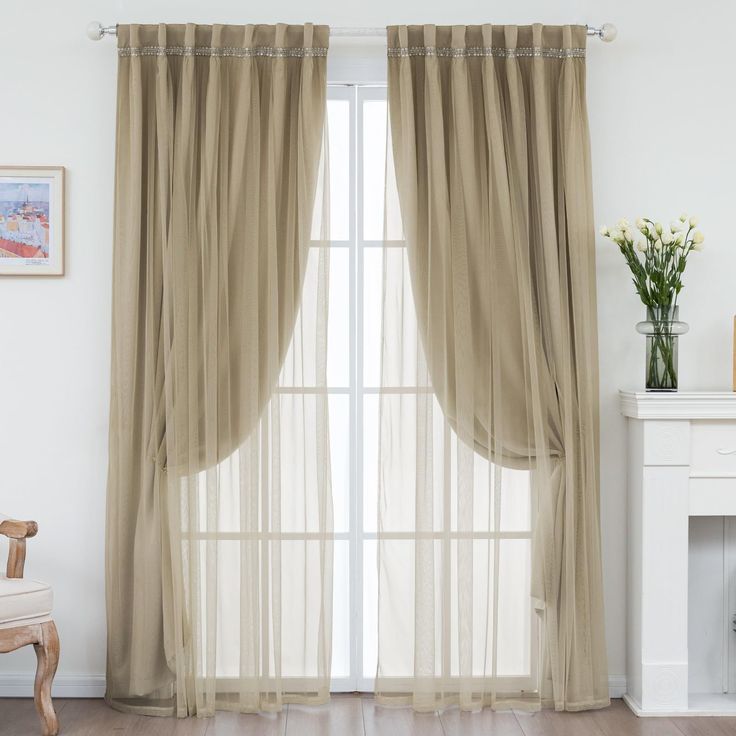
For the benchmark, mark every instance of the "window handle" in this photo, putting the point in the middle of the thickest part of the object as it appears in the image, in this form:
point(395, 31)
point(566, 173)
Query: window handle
point(724, 451)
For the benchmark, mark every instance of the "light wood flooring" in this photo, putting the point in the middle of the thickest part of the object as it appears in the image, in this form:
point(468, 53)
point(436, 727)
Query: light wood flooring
point(355, 715)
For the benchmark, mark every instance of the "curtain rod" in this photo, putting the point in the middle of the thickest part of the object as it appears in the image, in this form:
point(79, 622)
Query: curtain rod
point(606, 32)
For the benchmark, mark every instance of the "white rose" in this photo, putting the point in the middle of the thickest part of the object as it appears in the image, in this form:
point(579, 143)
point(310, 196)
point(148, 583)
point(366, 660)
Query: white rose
point(666, 238)
point(698, 237)
point(693, 221)
point(675, 226)
point(604, 231)
point(657, 245)
point(658, 228)
point(641, 246)
point(683, 217)
point(629, 235)
point(641, 226)
point(697, 246)
point(679, 238)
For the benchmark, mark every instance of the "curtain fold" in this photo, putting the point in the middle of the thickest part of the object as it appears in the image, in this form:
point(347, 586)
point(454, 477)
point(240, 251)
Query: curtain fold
point(219, 442)
point(499, 434)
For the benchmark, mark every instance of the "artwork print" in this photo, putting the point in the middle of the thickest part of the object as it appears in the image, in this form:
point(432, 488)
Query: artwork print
point(31, 221)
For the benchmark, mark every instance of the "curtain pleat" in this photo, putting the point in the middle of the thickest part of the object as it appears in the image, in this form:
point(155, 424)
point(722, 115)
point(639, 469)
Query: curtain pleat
point(491, 422)
point(219, 441)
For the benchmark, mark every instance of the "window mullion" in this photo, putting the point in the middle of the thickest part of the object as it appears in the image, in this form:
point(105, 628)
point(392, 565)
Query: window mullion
point(356, 408)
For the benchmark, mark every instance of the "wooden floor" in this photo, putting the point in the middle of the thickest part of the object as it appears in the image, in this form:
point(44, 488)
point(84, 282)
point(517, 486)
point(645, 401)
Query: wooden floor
point(352, 715)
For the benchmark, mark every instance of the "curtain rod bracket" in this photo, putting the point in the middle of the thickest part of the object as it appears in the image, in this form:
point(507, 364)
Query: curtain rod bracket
point(606, 33)
point(96, 31)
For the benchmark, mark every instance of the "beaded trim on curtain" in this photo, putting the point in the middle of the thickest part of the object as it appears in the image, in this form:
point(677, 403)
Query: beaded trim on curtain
point(225, 51)
point(459, 53)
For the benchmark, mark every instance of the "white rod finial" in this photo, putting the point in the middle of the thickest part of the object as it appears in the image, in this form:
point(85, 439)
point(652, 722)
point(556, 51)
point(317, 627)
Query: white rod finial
point(95, 31)
point(608, 32)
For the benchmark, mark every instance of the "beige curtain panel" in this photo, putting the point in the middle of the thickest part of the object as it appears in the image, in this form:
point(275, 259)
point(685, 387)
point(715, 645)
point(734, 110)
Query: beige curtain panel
point(219, 474)
point(490, 585)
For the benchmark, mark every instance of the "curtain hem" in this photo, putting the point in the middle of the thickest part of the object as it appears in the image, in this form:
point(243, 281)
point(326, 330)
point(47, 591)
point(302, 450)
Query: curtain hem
point(172, 711)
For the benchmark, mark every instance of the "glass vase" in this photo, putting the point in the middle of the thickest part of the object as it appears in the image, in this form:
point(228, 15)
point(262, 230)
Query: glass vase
point(662, 329)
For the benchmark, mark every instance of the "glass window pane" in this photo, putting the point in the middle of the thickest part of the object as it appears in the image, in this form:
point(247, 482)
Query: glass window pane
point(300, 610)
point(299, 364)
point(370, 608)
point(338, 131)
point(370, 462)
point(338, 324)
point(298, 367)
point(372, 306)
point(297, 482)
point(378, 176)
point(340, 460)
point(341, 638)
point(396, 334)
point(229, 555)
point(301, 606)
point(516, 506)
point(515, 615)
point(374, 167)
point(475, 576)
point(338, 120)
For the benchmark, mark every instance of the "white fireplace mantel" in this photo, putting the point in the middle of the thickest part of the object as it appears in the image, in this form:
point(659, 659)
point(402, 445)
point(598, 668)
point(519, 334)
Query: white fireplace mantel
point(681, 463)
point(678, 405)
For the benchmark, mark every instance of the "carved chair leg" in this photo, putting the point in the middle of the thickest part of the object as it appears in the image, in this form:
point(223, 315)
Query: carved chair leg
point(47, 653)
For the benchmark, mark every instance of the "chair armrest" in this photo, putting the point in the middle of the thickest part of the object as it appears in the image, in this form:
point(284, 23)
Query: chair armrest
point(17, 532)
point(18, 529)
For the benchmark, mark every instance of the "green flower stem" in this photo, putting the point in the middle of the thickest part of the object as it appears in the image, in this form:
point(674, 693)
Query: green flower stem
point(661, 372)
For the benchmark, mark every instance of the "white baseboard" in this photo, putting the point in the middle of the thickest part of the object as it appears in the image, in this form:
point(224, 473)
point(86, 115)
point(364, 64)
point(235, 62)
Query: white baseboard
point(20, 685)
point(616, 686)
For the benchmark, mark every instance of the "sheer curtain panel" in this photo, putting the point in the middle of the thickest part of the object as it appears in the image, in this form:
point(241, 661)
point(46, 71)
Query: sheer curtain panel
point(489, 547)
point(219, 477)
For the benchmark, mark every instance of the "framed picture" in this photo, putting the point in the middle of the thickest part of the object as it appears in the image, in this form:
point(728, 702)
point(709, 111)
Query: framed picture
point(31, 221)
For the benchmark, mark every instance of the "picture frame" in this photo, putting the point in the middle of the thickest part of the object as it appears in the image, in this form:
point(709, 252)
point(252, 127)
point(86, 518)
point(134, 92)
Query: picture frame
point(31, 220)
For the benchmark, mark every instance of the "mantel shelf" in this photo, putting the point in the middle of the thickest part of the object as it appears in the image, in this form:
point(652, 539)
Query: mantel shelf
point(678, 404)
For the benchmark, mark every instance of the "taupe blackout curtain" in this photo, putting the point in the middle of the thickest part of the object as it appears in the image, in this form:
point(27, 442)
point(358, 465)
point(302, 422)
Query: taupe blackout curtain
point(219, 472)
point(497, 281)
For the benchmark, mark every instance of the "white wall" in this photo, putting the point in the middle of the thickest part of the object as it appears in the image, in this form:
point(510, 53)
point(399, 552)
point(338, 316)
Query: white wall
point(662, 104)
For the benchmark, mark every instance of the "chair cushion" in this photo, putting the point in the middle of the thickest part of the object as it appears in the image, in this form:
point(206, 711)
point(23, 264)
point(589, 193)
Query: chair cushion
point(24, 602)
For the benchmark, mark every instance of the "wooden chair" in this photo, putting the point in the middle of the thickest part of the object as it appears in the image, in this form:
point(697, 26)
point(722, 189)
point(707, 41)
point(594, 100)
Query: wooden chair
point(25, 618)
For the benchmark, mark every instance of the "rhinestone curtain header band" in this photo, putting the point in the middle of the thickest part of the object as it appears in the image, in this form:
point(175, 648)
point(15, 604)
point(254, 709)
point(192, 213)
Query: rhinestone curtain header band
point(473, 51)
point(225, 51)
point(399, 52)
